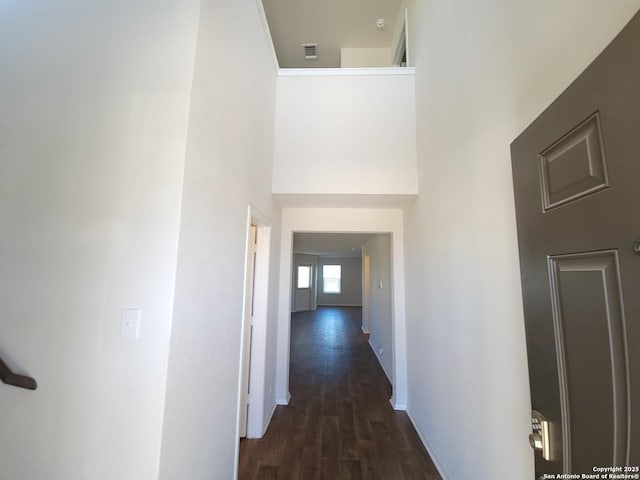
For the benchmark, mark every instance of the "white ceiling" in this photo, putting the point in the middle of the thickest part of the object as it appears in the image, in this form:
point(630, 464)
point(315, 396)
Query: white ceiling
point(332, 24)
point(330, 244)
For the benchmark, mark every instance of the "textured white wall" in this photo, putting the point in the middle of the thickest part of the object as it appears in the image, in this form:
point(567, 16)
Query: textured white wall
point(484, 71)
point(345, 134)
point(228, 164)
point(381, 300)
point(94, 102)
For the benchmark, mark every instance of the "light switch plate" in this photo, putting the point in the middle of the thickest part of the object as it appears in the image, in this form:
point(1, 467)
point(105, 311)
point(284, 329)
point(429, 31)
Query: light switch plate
point(130, 323)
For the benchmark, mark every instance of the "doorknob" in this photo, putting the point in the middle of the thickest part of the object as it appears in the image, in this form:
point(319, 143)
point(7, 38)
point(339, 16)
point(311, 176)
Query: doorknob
point(535, 440)
point(636, 247)
point(539, 439)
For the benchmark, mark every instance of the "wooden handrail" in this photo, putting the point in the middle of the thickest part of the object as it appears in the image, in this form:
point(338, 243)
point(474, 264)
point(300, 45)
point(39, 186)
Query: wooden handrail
point(7, 376)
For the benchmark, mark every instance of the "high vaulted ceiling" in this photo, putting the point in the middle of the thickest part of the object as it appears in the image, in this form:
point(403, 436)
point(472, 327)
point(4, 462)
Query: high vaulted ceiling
point(332, 24)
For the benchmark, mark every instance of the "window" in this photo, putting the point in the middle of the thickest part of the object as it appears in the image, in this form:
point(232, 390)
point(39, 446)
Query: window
point(331, 277)
point(304, 276)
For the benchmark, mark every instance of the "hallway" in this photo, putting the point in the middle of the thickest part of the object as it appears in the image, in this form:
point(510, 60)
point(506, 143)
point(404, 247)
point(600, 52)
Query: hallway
point(339, 423)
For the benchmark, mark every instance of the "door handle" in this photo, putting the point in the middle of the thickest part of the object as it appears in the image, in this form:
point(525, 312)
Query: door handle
point(539, 439)
point(535, 440)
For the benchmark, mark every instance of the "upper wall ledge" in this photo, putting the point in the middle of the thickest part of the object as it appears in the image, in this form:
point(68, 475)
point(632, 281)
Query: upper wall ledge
point(316, 72)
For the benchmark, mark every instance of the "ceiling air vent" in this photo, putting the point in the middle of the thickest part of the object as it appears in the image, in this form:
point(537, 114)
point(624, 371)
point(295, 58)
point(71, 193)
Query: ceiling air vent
point(310, 51)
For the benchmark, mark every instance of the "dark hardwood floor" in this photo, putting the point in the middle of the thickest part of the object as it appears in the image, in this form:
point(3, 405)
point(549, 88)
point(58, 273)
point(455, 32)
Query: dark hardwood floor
point(339, 423)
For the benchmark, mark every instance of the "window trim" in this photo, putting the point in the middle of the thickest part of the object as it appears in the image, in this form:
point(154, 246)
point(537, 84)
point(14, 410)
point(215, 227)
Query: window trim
point(309, 279)
point(339, 278)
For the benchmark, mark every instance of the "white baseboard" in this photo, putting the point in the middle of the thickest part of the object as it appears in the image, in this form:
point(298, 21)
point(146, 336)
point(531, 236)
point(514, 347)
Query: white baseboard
point(427, 446)
point(284, 401)
point(397, 406)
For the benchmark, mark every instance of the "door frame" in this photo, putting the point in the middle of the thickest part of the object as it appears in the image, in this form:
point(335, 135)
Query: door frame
point(310, 288)
point(258, 345)
point(247, 316)
point(343, 220)
point(366, 293)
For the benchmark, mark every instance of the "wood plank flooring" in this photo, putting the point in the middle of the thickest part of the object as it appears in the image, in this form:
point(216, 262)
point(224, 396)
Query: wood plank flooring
point(339, 423)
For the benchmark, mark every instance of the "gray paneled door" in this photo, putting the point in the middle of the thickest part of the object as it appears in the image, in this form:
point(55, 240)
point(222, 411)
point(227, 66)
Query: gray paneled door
point(576, 173)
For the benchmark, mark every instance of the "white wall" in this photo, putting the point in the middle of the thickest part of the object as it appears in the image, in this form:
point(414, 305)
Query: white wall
point(229, 156)
point(351, 282)
point(94, 101)
point(484, 70)
point(345, 133)
point(343, 220)
point(365, 57)
point(381, 300)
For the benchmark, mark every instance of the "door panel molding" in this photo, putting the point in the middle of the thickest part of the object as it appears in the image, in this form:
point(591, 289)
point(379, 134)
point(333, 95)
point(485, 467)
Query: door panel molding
point(579, 271)
point(595, 275)
point(574, 166)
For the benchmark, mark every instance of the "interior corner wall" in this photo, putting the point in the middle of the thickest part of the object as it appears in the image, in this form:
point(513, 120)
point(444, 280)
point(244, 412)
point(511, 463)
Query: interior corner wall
point(94, 103)
point(351, 282)
point(378, 248)
point(229, 156)
point(484, 71)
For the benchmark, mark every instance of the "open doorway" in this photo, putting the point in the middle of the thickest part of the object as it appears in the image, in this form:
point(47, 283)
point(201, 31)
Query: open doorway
point(352, 272)
point(345, 220)
point(333, 263)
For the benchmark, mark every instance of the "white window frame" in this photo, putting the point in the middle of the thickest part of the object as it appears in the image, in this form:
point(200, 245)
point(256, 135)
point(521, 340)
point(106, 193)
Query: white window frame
point(308, 277)
point(331, 279)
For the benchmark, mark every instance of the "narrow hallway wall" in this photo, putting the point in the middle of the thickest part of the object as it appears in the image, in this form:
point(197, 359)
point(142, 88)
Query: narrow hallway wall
point(229, 156)
point(381, 300)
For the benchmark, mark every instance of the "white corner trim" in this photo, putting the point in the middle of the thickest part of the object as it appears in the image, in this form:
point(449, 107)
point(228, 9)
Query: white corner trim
point(267, 32)
point(406, 38)
point(320, 72)
point(398, 406)
point(284, 401)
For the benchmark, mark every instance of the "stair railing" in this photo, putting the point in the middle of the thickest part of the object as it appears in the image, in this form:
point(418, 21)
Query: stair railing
point(10, 378)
